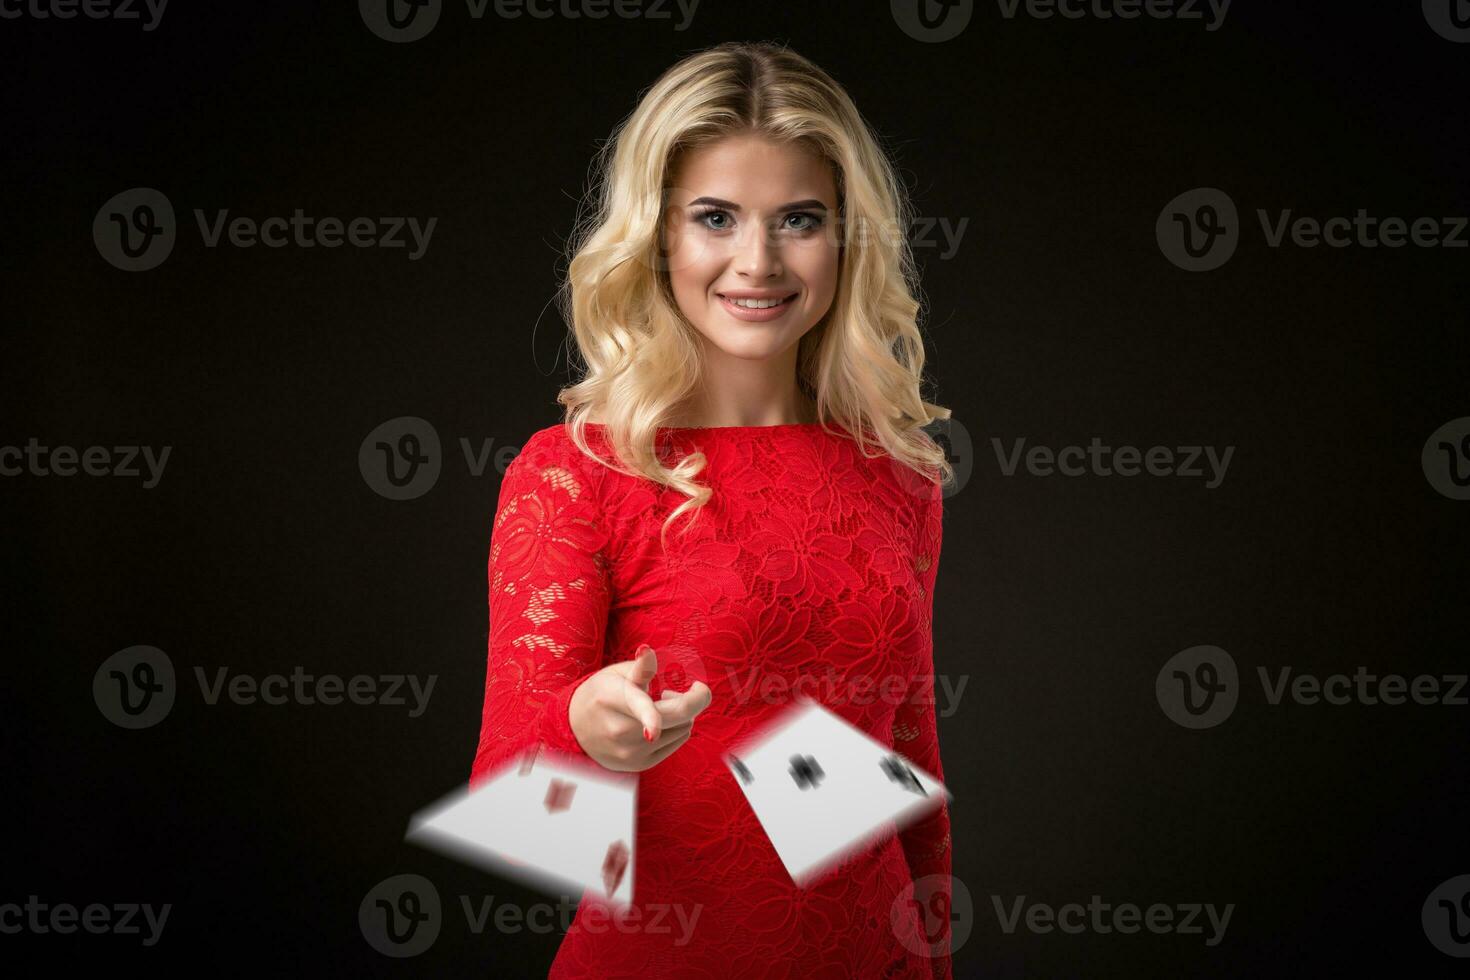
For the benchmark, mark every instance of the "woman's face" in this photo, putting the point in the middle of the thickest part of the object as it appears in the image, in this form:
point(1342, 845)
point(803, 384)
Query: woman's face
point(751, 219)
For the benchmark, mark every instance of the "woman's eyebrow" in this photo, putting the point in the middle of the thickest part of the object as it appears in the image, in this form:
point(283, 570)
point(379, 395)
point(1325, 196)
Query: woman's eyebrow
point(810, 204)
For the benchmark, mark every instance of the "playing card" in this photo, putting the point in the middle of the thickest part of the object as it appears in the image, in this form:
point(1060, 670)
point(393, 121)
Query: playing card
point(553, 821)
point(822, 788)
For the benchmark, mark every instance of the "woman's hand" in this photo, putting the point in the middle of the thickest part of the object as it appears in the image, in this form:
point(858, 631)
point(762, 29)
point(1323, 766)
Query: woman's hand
point(620, 727)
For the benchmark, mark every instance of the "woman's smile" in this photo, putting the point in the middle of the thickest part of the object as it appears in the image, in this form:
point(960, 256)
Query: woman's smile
point(755, 307)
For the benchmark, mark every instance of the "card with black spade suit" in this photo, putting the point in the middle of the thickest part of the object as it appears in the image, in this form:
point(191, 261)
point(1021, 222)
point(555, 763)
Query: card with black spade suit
point(822, 788)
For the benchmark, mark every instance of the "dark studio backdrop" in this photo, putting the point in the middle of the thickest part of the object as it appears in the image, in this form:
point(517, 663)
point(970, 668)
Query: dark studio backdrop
point(1098, 198)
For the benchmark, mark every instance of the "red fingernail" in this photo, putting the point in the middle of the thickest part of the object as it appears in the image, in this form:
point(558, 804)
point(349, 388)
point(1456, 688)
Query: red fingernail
point(647, 735)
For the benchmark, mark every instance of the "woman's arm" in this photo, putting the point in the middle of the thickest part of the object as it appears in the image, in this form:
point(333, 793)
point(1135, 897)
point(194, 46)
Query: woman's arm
point(926, 843)
point(548, 602)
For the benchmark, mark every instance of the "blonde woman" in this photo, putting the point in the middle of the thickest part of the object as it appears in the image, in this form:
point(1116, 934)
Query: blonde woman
point(740, 507)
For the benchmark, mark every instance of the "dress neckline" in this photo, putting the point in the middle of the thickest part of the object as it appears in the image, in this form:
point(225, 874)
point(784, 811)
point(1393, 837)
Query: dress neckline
point(739, 428)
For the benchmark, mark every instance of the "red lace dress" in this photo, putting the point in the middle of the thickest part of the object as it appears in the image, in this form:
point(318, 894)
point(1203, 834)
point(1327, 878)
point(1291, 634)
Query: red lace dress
point(811, 571)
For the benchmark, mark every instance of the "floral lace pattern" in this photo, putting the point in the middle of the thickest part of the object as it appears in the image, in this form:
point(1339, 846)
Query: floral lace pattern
point(810, 572)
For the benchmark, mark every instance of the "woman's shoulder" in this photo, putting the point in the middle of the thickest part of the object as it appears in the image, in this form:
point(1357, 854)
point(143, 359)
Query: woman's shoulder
point(551, 446)
point(552, 437)
point(552, 451)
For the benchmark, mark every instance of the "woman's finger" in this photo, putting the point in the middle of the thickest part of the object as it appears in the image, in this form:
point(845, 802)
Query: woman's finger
point(667, 750)
point(640, 706)
point(670, 733)
point(682, 708)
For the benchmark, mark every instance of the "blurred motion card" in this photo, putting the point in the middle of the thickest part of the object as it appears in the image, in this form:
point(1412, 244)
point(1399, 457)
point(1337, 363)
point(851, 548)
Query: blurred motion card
point(553, 821)
point(822, 789)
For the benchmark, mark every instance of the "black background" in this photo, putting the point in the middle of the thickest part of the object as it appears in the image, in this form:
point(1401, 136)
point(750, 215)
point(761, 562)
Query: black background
point(1059, 319)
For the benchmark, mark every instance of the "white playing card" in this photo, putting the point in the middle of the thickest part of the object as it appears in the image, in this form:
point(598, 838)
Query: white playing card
point(553, 821)
point(822, 788)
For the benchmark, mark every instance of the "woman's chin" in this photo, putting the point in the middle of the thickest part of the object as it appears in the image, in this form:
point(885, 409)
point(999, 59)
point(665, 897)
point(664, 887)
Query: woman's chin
point(750, 341)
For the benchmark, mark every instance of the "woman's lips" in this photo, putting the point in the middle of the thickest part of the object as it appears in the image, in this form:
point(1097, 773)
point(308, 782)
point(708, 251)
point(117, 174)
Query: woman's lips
point(758, 316)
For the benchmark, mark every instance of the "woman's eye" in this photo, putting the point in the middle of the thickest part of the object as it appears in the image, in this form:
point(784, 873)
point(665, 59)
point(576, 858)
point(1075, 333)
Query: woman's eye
point(705, 216)
point(812, 221)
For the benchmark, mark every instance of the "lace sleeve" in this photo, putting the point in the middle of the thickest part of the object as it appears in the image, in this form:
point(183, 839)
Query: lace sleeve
point(548, 602)
point(926, 843)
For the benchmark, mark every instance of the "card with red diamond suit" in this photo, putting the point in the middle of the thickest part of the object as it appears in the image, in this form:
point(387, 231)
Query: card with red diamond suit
point(553, 821)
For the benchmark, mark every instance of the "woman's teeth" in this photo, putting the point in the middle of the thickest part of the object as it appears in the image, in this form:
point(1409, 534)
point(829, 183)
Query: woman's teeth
point(757, 304)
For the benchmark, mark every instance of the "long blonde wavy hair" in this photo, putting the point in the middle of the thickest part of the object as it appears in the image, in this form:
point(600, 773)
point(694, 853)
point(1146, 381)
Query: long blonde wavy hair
point(862, 364)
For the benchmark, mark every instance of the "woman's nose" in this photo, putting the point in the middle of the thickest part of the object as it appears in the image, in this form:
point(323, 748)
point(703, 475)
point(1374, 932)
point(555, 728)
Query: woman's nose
point(757, 254)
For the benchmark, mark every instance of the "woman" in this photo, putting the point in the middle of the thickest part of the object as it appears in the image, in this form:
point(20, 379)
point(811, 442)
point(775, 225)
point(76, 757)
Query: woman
point(743, 298)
